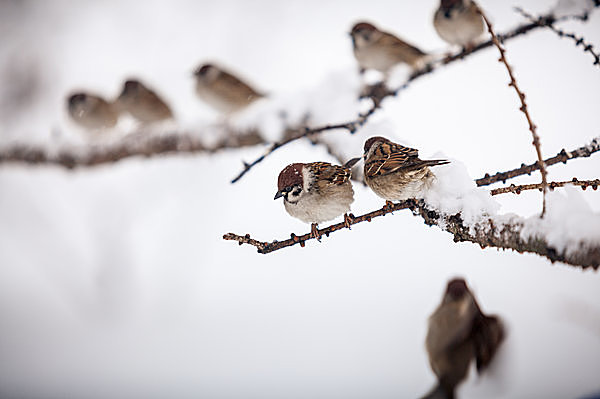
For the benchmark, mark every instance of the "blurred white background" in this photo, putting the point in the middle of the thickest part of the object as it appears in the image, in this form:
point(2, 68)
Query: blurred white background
point(115, 282)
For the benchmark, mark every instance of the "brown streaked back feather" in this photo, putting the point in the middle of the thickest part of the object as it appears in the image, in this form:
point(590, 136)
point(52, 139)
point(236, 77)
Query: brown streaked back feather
point(390, 157)
point(327, 174)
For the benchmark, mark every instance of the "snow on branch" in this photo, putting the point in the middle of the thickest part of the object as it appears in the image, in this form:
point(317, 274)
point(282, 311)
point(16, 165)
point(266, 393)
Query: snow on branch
point(378, 92)
point(523, 108)
point(71, 158)
point(579, 41)
point(584, 184)
point(516, 233)
point(563, 156)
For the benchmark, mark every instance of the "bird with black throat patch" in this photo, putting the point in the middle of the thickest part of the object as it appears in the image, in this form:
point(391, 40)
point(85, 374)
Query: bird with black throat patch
point(316, 192)
point(395, 172)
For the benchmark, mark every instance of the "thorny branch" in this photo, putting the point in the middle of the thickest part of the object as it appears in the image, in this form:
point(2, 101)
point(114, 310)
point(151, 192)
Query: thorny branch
point(579, 41)
point(266, 247)
point(584, 184)
point(532, 126)
point(378, 92)
point(563, 156)
point(487, 233)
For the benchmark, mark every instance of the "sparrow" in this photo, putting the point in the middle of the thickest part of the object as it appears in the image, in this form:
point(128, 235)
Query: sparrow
point(379, 50)
point(458, 22)
point(91, 111)
point(395, 172)
point(458, 333)
point(223, 91)
point(142, 103)
point(316, 192)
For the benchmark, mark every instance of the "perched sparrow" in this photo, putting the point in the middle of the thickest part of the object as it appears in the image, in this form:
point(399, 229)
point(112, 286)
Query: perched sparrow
point(395, 172)
point(458, 22)
point(375, 49)
point(142, 103)
point(316, 192)
point(91, 111)
point(459, 332)
point(223, 91)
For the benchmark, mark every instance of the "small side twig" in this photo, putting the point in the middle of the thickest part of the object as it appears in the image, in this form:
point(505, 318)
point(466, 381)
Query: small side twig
point(584, 184)
point(579, 40)
point(523, 108)
point(563, 156)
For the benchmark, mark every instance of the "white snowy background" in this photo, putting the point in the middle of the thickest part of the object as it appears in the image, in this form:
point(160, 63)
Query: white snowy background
point(115, 282)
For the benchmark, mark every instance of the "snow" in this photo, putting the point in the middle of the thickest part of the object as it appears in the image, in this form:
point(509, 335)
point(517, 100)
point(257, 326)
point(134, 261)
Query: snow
point(115, 280)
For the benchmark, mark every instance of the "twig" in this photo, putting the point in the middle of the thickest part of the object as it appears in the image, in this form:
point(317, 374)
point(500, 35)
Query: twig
point(563, 156)
point(587, 47)
point(552, 185)
point(486, 233)
point(379, 92)
point(71, 158)
point(532, 126)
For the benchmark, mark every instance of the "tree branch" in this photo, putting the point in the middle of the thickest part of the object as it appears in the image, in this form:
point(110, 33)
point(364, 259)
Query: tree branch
point(69, 158)
point(587, 47)
point(552, 185)
point(487, 233)
point(524, 109)
point(378, 92)
point(563, 156)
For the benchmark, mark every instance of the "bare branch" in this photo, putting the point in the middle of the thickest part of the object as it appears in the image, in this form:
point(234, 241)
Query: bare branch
point(532, 126)
point(378, 92)
point(71, 158)
point(266, 247)
point(552, 185)
point(563, 156)
point(487, 233)
point(579, 41)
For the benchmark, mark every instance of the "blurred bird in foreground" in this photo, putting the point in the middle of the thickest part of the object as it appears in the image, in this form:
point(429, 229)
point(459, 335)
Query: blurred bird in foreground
point(142, 103)
point(91, 111)
point(458, 333)
point(458, 22)
point(316, 192)
point(379, 50)
point(395, 172)
point(222, 90)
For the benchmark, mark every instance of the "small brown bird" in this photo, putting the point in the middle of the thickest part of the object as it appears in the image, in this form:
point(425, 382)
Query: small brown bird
point(316, 192)
point(142, 103)
point(457, 22)
point(91, 111)
point(222, 90)
point(458, 333)
point(379, 50)
point(395, 172)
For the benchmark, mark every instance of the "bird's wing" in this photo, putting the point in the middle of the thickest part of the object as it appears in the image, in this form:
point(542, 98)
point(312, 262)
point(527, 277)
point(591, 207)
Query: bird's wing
point(400, 45)
point(327, 174)
point(228, 82)
point(388, 158)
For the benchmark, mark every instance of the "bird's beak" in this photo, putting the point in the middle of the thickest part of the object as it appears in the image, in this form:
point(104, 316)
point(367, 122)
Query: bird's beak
point(278, 194)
